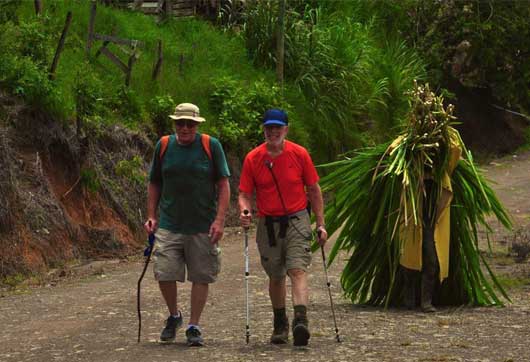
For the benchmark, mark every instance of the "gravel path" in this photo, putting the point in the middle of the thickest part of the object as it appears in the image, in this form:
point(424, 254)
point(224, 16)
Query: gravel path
point(93, 318)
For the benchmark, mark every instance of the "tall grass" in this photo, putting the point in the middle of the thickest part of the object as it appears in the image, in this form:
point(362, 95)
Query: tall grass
point(352, 78)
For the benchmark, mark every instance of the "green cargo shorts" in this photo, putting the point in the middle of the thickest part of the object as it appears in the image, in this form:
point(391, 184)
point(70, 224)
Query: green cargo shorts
point(291, 252)
point(175, 253)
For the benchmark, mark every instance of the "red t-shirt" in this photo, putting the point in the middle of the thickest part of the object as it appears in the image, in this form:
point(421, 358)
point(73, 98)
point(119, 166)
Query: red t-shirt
point(293, 170)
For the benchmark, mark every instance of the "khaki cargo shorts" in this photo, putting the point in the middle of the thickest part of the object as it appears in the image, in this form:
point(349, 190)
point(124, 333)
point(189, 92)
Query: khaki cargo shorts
point(291, 252)
point(175, 253)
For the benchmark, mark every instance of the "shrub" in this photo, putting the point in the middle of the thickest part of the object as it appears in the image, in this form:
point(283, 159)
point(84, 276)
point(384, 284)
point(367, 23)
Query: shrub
point(8, 10)
point(34, 42)
point(239, 108)
point(89, 93)
point(90, 180)
point(160, 107)
point(128, 104)
point(132, 170)
point(23, 68)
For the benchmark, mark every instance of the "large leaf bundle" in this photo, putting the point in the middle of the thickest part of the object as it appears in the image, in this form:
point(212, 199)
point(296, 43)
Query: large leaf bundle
point(380, 190)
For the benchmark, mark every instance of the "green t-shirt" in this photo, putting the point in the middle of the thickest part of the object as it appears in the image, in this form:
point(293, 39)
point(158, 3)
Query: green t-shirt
point(188, 200)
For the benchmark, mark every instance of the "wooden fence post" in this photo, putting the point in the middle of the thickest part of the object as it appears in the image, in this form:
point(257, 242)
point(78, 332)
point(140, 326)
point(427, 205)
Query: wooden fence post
point(132, 59)
point(280, 48)
point(60, 46)
point(158, 65)
point(168, 8)
point(91, 27)
point(138, 4)
point(38, 7)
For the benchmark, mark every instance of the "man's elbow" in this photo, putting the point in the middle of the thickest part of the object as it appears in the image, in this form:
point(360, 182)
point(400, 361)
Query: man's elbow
point(313, 189)
point(243, 196)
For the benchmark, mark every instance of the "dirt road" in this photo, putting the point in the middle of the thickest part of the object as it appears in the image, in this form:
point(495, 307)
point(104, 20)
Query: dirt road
point(94, 318)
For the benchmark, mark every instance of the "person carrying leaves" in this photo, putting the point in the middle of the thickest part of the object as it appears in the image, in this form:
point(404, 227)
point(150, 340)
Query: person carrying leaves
point(407, 213)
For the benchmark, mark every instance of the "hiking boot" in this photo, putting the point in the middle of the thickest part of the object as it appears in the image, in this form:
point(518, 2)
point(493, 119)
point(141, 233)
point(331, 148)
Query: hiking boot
point(301, 333)
point(193, 335)
point(169, 331)
point(280, 335)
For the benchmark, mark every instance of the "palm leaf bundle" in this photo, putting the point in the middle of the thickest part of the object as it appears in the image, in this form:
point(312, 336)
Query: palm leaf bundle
point(380, 189)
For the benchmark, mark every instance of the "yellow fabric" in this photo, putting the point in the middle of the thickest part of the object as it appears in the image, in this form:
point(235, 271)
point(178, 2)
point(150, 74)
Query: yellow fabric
point(411, 234)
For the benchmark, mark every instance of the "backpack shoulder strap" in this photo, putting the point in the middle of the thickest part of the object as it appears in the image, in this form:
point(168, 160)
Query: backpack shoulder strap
point(164, 141)
point(205, 140)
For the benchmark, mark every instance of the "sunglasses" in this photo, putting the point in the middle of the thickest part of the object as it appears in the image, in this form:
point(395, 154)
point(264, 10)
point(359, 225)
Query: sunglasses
point(186, 122)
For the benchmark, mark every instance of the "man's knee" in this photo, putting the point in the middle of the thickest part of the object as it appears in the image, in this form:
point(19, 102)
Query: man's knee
point(296, 274)
point(277, 282)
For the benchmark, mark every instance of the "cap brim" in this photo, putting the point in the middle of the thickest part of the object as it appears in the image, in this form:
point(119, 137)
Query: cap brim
point(196, 119)
point(274, 121)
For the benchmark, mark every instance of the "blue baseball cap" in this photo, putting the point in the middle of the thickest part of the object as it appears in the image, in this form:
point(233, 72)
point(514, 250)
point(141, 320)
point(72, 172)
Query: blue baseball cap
point(275, 116)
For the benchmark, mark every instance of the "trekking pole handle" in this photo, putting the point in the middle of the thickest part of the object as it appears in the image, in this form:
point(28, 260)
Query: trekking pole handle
point(246, 213)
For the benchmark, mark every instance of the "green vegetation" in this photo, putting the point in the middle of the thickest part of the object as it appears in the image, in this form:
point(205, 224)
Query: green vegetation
point(353, 80)
point(343, 84)
point(132, 170)
point(348, 65)
point(196, 56)
point(513, 282)
point(90, 180)
point(478, 43)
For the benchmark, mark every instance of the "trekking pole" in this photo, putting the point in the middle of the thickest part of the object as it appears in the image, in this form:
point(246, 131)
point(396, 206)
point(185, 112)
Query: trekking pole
point(245, 229)
point(337, 337)
point(147, 253)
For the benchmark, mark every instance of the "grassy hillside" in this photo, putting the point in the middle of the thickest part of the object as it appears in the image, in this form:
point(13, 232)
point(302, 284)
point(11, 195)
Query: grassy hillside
point(201, 65)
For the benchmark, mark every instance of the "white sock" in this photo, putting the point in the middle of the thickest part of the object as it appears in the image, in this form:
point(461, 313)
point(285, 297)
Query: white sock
point(178, 315)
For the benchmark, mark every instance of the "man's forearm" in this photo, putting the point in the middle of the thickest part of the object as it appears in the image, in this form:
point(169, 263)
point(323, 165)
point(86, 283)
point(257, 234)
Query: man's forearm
point(317, 203)
point(223, 200)
point(245, 201)
point(153, 196)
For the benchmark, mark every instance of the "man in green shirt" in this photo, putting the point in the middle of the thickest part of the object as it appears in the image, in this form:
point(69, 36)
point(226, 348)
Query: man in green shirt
point(188, 184)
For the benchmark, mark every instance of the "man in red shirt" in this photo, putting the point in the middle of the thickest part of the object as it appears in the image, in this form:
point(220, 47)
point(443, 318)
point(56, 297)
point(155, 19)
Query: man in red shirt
point(283, 176)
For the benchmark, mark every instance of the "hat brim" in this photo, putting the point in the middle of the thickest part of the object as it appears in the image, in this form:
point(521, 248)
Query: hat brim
point(196, 119)
point(275, 122)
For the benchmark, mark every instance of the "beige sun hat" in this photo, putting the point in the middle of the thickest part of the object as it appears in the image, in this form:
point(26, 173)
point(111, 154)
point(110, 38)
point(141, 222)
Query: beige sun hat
point(187, 111)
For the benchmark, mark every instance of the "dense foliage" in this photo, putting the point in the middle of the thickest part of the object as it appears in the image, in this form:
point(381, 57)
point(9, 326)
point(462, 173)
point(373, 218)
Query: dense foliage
point(476, 43)
point(348, 65)
point(353, 83)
